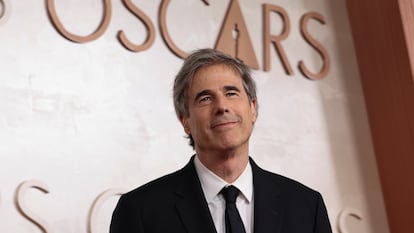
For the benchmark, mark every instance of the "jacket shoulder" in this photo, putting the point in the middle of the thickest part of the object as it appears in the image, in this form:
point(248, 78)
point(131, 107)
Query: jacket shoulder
point(160, 185)
point(282, 183)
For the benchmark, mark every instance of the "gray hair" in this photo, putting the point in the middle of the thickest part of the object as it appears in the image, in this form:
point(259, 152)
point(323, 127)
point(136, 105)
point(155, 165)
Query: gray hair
point(200, 59)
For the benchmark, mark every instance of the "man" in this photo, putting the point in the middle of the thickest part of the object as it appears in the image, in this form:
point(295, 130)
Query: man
point(215, 101)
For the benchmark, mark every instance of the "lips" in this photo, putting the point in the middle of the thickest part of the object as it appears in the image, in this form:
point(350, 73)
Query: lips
point(224, 121)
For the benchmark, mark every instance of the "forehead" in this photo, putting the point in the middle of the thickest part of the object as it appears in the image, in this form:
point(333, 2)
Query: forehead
point(217, 66)
point(214, 74)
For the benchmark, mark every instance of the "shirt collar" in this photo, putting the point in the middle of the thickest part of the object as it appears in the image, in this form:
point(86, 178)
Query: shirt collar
point(212, 184)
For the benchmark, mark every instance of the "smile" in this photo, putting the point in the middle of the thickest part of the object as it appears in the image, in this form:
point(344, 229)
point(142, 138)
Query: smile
point(223, 123)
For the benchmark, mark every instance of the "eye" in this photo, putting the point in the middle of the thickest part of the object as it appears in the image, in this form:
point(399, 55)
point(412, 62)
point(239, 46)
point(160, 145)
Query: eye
point(231, 93)
point(204, 99)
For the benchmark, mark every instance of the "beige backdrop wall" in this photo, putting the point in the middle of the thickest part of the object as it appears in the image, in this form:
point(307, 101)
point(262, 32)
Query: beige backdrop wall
point(86, 121)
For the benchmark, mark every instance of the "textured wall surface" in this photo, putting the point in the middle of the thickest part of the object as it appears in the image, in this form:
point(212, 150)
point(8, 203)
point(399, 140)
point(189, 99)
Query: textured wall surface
point(85, 118)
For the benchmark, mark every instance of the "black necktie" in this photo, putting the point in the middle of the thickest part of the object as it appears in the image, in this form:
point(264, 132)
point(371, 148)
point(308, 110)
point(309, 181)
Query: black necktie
point(233, 222)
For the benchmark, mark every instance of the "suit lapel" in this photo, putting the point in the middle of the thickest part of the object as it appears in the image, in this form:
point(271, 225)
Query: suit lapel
point(193, 209)
point(191, 204)
point(268, 209)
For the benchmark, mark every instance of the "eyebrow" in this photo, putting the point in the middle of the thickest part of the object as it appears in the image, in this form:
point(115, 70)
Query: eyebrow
point(231, 88)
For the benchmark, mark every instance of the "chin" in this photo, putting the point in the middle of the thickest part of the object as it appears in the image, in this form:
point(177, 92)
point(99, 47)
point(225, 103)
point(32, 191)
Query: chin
point(229, 145)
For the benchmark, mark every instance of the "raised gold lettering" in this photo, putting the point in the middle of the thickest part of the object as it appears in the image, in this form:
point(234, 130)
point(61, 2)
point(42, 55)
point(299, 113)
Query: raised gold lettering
point(3, 9)
point(22, 207)
point(240, 46)
point(164, 30)
point(93, 213)
point(315, 44)
point(148, 25)
point(345, 213)
point(275, 40)
point(76, 38)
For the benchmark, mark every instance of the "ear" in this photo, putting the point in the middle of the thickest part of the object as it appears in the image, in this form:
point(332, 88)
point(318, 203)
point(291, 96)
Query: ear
point(184, 123)
point(253, 109)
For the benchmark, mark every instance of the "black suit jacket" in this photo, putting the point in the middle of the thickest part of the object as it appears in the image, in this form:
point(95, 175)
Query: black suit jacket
point(175, 203)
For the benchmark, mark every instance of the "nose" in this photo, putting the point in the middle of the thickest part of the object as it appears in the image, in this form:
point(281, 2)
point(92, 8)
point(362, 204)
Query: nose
point(221, 105)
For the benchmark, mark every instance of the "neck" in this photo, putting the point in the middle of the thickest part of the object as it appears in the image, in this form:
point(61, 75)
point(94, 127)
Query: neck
point(227, 165)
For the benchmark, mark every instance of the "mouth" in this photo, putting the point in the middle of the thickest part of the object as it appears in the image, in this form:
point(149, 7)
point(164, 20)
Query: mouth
point(223, 123)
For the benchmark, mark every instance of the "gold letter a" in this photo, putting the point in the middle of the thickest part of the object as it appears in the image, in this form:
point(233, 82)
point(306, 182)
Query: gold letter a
point(234, 39)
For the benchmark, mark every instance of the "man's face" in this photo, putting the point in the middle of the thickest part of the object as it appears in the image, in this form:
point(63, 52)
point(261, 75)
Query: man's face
point(221, 117)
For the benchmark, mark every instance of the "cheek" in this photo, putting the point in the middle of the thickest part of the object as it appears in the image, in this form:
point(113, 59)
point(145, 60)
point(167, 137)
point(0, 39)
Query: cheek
point(195, 123)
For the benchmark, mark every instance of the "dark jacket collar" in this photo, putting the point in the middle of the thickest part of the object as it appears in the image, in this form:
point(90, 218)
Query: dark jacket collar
point(267, 204)
point(195, 214)
point(191, 205)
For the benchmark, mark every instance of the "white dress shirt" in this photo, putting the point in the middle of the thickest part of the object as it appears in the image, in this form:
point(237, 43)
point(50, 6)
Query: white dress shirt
point(212, 185)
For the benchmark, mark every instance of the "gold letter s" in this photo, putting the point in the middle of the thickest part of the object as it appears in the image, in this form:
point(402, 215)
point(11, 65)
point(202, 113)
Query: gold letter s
point(148, 25)
point(315, 44)
point(22, 207)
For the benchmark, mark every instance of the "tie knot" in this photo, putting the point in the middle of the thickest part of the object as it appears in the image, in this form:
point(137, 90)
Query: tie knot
point(230, 194)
